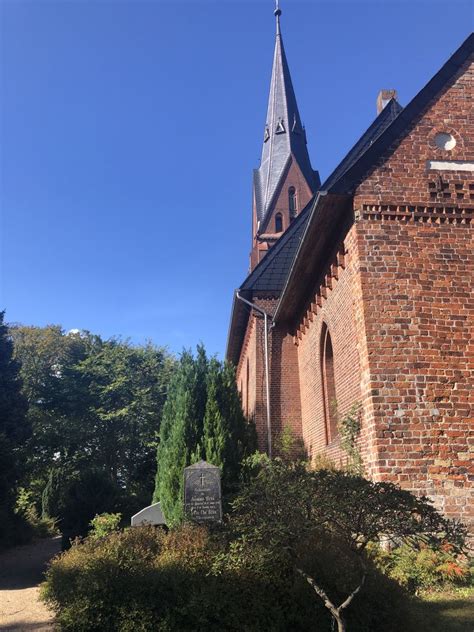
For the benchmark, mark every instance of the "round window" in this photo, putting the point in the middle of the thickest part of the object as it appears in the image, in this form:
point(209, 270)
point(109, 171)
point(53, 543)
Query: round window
point(445, 141)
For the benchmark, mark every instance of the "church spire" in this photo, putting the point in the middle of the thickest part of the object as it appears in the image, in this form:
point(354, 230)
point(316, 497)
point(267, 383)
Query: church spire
point(284, 140)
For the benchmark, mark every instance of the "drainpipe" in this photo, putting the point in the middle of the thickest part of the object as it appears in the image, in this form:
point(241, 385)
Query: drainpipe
point(267, 373)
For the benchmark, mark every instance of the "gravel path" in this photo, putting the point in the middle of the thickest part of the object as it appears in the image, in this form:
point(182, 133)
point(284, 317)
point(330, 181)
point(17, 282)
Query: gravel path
point(21, 571)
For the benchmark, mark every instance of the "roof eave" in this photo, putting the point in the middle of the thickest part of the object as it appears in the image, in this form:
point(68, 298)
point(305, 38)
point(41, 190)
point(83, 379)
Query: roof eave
point(326, 212)
point(355, 174)
point(237, 327)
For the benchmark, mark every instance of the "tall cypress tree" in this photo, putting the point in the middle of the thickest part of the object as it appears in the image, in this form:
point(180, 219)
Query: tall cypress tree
point(14, 430)
point(202, 419)
point(228, 437)
point(180, 432)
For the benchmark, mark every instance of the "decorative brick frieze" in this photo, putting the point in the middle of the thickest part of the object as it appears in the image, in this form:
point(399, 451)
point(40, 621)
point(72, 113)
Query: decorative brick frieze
point(323, 289)
point(436, 214)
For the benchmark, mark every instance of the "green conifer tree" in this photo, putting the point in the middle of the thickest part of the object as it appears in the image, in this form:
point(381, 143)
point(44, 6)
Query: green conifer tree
point(228, 437)
point(202, 419)
point(14, 430)
point(181, 432)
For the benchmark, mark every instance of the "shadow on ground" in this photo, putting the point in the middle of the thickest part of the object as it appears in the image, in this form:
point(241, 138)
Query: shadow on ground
point(445, 615)
point(24, 626)
point(23, 566)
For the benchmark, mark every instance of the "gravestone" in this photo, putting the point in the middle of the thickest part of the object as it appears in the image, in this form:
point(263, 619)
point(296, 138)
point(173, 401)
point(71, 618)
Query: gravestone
point(149, 515)
point(202, 493)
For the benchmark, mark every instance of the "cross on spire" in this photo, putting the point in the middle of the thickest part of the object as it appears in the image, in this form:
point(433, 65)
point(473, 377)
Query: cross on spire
point(277, 14)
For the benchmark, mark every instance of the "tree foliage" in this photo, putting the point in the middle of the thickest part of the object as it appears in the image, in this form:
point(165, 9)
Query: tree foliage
point(227, 437)
point(75, 496)
point(202, 419)
point(286, 510)
point(94, 405)
point(14, 430)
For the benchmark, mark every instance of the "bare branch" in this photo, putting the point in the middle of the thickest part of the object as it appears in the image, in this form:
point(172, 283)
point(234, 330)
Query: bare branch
point(319, 591)
point(345, 603)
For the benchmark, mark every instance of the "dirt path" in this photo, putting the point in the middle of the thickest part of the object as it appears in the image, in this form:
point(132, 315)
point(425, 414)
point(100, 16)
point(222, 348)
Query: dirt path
point(21, 570)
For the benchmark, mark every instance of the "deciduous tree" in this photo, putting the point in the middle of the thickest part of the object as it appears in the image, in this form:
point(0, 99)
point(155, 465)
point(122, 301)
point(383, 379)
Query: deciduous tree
point(93, 404)
point(286, 511)
point(14, 429)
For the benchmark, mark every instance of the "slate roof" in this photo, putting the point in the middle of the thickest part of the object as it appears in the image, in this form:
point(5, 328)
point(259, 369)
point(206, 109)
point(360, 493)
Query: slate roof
point(274, 272)
point(364, 156)
point(284, 135)
point(271, 273)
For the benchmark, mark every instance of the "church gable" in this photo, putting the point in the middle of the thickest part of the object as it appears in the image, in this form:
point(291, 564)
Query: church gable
point(451, 89)
point(432, 162)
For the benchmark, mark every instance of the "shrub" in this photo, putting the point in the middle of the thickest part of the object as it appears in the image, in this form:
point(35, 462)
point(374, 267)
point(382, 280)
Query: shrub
point(289, 509)
point(290, 447)
point(104, 524)
point(292, 556)
point(145, 579)
point(188, 580)
point(424, 567)
point(40, 526)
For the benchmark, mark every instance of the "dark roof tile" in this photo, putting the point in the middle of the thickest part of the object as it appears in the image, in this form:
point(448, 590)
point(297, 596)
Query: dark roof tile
point(270, 274)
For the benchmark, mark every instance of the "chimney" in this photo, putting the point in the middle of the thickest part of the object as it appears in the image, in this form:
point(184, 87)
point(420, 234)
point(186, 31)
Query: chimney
point(384, 97)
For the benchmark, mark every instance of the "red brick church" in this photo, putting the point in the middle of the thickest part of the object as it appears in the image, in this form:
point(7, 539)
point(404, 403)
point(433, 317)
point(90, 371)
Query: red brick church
point(360, 288)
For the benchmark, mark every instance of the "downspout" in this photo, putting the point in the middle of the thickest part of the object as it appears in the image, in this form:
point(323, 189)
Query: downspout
point(267, 372)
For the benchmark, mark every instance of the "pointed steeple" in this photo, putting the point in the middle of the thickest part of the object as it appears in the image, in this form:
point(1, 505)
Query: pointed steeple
point(284, 138)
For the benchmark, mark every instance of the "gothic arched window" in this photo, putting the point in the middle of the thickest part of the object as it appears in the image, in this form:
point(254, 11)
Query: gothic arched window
point(329, 385)
point(292, 202)
point(278, 223)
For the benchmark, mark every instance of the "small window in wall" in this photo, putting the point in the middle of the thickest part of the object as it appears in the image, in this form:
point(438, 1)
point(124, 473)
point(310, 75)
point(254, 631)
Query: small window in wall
point(278, 223)
point(329, 385)
point(292, 203)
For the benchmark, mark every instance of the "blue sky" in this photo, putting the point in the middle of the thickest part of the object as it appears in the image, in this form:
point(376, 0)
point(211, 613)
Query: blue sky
point(129, 131)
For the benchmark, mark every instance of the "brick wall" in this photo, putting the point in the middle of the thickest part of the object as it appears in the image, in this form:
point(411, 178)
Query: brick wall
point(419, 311)
point(414, 238)
point(397, 298)
point(284, 385)
point(246, 371)
point(404, 178)
point(252, 356)
point(336, 304)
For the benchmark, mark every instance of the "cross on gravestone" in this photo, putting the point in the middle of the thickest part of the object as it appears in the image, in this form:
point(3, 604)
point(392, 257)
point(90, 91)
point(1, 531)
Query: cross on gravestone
point(202, 493)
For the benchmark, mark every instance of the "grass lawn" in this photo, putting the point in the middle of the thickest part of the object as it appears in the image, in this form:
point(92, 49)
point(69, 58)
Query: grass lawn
point(447, 611)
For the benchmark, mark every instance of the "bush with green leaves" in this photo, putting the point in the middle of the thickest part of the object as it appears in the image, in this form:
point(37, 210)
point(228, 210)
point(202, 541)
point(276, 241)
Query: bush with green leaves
point(104, 524)
point(290, 556)
point(41, 526)
point(286, 510)
point(424, 567)
point(144, 579)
